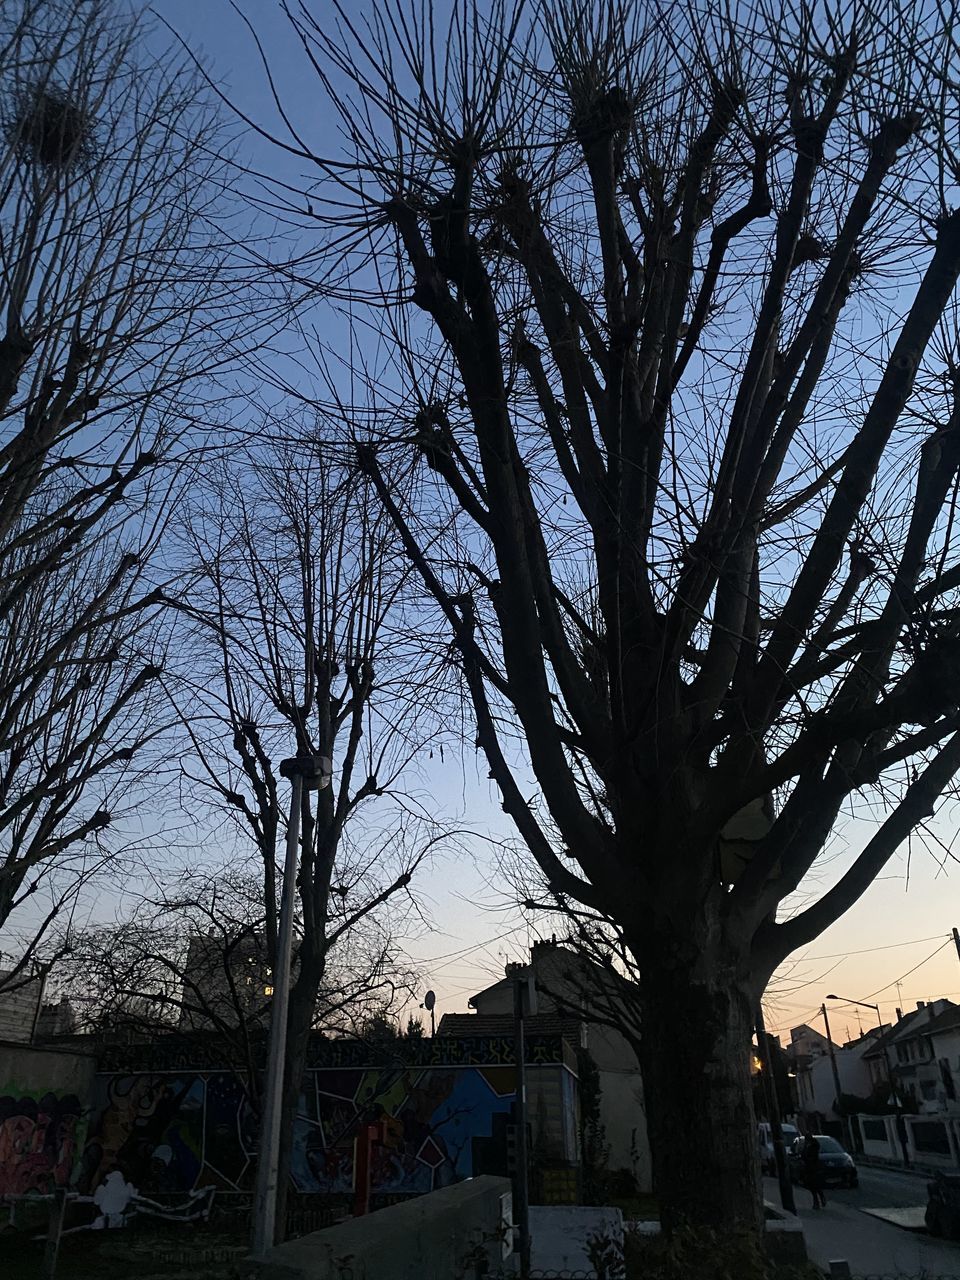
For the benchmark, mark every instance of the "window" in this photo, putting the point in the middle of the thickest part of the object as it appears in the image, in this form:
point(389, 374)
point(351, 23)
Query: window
point(828, 1144)
point(268, 991)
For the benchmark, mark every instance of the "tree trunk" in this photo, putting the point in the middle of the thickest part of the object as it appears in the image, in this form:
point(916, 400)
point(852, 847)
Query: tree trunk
point(695, 1052)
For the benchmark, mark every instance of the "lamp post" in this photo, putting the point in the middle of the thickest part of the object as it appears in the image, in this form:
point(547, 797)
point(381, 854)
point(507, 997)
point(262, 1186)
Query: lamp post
point(310, 772)
point(901, 1130)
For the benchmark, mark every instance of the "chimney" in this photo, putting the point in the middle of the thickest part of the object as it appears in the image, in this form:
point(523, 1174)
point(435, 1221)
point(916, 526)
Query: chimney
point(921, 1004)
point(899, 1015)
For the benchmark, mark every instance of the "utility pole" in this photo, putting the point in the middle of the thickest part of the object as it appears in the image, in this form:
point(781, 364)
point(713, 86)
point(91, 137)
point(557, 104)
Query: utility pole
point(836, 1080)
point(521, 1189)
point(901, 1127)
point(303, 771)
point(773, 1106)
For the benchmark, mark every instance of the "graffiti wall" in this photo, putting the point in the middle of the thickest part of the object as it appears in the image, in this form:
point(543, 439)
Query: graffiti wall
point(45, 1100)
point(38, 1142)
point(173, 1131)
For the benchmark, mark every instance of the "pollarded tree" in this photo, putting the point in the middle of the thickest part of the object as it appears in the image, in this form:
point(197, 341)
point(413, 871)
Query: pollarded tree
point(671, 292)
point(110, 272)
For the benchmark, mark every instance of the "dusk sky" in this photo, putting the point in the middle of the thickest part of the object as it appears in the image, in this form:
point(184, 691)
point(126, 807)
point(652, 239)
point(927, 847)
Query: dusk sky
point(899, 931)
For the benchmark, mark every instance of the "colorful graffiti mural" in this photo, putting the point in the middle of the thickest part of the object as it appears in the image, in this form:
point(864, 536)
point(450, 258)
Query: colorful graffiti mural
point(172, 1133)
point(39, 1139)
point(443, 1113)
point(168, 1128)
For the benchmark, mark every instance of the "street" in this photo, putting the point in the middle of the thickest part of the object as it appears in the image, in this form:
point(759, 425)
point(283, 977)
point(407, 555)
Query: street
point(871, 1246)
point(879, 1189)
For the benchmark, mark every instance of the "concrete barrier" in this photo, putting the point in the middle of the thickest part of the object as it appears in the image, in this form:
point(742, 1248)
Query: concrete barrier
point(445, 1235)
point(572, 1238)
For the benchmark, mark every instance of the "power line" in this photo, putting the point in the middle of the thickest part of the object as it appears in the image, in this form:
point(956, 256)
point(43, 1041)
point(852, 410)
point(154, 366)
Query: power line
point(913, 970)
point(866, 950)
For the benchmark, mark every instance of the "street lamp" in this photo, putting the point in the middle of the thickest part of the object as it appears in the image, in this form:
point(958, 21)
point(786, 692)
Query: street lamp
point(310, 772)
point(901, 1130)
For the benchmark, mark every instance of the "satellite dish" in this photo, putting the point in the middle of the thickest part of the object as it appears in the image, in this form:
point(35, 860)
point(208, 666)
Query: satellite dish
point(429, 1000)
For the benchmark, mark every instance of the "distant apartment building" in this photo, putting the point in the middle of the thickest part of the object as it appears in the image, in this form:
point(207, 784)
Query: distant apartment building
point(56, 1020)
point(226, 983)
point(21, 997)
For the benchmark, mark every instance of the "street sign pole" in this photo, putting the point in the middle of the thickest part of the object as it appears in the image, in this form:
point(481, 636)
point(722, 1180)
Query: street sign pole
point(310, 771)
point(521, 1190)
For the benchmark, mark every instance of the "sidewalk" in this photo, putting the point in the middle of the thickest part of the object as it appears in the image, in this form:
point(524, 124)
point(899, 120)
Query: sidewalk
point(873, 1247)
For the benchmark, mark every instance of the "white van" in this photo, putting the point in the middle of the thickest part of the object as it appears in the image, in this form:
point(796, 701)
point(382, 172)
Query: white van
point(768, 1162)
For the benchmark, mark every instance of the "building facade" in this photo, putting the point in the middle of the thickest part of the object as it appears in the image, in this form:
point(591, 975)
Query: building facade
point(579, 994)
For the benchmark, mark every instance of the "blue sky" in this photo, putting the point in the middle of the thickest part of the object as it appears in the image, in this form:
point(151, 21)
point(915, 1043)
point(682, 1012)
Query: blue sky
point(466, 906)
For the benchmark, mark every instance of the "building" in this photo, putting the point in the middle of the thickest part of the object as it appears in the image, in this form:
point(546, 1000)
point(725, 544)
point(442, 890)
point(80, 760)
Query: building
point(21, 998)
point(908, 1055)
point(943, 1037)
point(56, 1020)
point(574, 995)
point(226, 983)
point(806, 1043)
point(816, 1086)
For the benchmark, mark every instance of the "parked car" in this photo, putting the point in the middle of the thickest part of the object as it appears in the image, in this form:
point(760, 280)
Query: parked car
point(768, 1161)
point(837, 1167)
point(943, 1206)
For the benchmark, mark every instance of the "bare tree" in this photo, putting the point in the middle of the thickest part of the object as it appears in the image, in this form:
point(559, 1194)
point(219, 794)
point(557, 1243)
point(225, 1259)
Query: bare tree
point(110, 274)
point(194, 961)
point(670, 297)
point(303, 648)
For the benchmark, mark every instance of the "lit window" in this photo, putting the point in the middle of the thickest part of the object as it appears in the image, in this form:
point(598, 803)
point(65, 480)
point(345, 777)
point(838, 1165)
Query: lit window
point(268, 991)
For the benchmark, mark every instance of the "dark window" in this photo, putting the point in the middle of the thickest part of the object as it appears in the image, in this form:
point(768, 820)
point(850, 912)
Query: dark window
point(931, 1136)
point(946, 1075)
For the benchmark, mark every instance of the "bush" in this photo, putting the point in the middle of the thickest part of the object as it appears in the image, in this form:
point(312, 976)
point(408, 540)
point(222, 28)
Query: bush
point(702, 1254)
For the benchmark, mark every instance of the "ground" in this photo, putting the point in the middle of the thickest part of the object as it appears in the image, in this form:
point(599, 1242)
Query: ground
point(181, 1253)
point(872, 1247)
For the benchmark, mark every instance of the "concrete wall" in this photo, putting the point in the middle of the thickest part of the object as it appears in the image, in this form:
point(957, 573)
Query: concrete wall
point(45, 1100)
point(446, 1235)
point(174, 1124)
point(934, 1140)
point(931, 1140)
point(879, 1135)
point(624, 1119)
